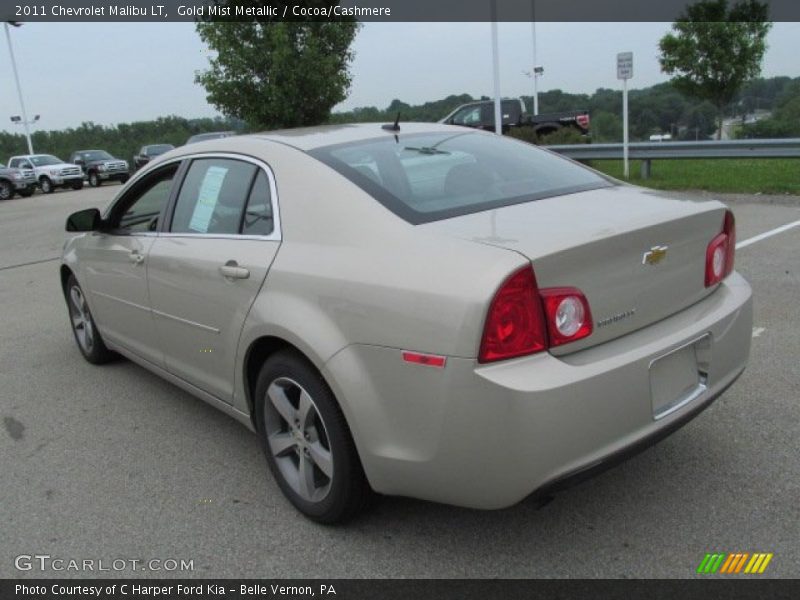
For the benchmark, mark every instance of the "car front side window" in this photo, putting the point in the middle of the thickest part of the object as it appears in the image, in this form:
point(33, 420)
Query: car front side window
point(141, 208)
point(468, 116)
point(213, 197)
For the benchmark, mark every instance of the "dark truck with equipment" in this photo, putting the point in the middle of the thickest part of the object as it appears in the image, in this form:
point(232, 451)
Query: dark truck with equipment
point(480, 115)
point(16, 181)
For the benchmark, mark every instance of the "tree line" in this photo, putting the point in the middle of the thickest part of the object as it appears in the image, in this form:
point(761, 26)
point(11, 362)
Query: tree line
point(657, 109)
point(654, 110)
point(122, 140)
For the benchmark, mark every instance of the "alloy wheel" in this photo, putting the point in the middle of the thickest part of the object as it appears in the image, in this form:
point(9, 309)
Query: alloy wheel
point(298, 439)
point(81, 319)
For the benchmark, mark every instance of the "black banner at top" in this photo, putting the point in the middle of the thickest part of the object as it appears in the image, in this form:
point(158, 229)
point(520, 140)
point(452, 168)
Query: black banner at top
point(364, 10)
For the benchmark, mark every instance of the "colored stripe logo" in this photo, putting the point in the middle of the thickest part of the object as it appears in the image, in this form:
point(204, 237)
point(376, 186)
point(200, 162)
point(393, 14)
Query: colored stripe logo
point(734, 563)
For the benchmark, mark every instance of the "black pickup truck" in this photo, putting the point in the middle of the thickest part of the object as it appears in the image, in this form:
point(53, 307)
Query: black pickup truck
point(100, 166)
point(480, 115)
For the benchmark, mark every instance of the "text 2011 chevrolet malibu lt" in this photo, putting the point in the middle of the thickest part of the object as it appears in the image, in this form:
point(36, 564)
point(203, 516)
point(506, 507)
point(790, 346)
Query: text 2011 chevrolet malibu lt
point(426, 311)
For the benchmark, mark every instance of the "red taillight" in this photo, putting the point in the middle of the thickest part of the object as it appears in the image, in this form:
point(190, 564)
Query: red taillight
point(524, 320)
point(583, 121)
point(568, 315)
point(721, 252)
point(515, 322)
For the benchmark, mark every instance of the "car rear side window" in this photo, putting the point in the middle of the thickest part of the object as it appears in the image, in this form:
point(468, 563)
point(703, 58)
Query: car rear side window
point(428, 177)
point(258, 219)
point(213, 196)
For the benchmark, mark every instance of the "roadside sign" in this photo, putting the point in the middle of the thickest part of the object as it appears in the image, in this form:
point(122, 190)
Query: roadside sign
point(625, 65)
point(625, 72)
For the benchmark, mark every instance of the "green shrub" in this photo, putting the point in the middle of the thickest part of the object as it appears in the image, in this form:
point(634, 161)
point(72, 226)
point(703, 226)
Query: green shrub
point(565, 135)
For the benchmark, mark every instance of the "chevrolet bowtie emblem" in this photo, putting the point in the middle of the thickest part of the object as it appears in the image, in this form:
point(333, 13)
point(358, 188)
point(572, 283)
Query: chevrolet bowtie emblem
point(655, 255)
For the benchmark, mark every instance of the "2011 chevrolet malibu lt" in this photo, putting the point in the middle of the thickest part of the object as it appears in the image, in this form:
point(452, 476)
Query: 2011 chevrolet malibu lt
point(420, 310)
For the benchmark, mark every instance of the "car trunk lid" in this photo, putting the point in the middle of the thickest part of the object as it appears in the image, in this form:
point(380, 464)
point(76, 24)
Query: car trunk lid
point(638, 256)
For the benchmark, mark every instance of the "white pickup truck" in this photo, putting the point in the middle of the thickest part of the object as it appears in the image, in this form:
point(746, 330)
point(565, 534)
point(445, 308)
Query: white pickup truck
point(51, 171)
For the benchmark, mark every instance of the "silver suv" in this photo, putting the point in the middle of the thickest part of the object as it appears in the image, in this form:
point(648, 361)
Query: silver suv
point(16, 181)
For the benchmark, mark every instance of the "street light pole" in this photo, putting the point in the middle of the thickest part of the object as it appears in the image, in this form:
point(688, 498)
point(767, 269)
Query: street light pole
point(19, 91)
point(498, 112)
point(534, 71)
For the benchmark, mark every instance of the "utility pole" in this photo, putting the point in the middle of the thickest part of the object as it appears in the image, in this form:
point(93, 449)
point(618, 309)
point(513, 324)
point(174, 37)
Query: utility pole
point(19, 89)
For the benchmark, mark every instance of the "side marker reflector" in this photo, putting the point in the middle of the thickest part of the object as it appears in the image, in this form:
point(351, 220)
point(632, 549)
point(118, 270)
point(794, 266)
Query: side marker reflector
point(428, 360)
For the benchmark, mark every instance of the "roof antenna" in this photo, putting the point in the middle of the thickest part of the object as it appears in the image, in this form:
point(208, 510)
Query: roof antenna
point(393, 127)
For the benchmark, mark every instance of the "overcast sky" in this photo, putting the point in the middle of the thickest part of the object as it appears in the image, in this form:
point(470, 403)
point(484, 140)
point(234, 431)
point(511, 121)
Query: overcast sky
point(120, 72)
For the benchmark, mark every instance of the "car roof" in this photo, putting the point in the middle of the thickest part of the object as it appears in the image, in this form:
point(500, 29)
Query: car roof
point(310, 138)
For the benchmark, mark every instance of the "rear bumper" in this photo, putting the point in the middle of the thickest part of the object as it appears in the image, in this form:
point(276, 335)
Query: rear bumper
point(487, 436)
point(585, 472)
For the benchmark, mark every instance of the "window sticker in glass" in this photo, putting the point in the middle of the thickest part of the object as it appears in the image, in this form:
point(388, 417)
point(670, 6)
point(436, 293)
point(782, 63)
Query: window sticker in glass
point(207, 199)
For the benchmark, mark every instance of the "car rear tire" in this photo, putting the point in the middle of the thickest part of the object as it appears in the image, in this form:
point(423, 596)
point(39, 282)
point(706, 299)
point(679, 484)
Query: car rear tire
point(26, 193)
point(124, 179)
point(307, 441)
point(46, 185)
point(94, 180)
point(88, 338)
point(78, 185)
point(6, 190)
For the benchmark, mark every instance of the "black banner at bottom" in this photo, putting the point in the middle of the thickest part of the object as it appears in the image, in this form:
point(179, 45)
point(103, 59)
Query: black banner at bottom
point(391, 589)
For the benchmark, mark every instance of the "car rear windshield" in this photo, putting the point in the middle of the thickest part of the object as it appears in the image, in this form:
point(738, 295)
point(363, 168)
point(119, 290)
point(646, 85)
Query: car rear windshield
point(428, 177)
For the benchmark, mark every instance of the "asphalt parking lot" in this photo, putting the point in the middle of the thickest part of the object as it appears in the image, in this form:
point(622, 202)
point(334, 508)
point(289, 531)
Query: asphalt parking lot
point(112, 462)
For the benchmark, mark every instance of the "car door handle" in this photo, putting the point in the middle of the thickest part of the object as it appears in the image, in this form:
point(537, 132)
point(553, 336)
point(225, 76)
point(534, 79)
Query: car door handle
point(136, 258)
point(233, 271)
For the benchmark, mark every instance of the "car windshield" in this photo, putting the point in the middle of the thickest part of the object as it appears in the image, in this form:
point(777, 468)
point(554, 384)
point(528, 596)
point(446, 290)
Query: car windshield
point(428, 177)
point(89, 155)
point(159, 149)
point(43, 160)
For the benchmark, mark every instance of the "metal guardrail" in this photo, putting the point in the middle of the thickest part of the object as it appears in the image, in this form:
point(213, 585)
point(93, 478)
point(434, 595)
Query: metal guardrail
point(649, 151)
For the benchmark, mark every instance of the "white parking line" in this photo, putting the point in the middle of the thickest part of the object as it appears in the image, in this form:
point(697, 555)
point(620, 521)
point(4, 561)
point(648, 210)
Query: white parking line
point(766, 234)
point(757, 331)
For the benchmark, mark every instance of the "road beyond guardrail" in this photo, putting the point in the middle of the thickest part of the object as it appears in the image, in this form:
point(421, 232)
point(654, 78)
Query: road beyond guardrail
point(649, 151)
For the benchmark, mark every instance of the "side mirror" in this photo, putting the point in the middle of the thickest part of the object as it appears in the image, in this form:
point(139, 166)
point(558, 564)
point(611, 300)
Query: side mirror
point(85, 220)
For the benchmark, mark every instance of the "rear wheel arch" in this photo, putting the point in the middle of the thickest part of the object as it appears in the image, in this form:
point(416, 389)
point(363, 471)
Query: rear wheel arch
point(257, 354)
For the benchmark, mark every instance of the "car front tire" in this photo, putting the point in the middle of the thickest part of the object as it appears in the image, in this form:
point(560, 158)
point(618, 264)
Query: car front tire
point(46, 185)
point(307, 442)
point(6, 190)
point(88, 338)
